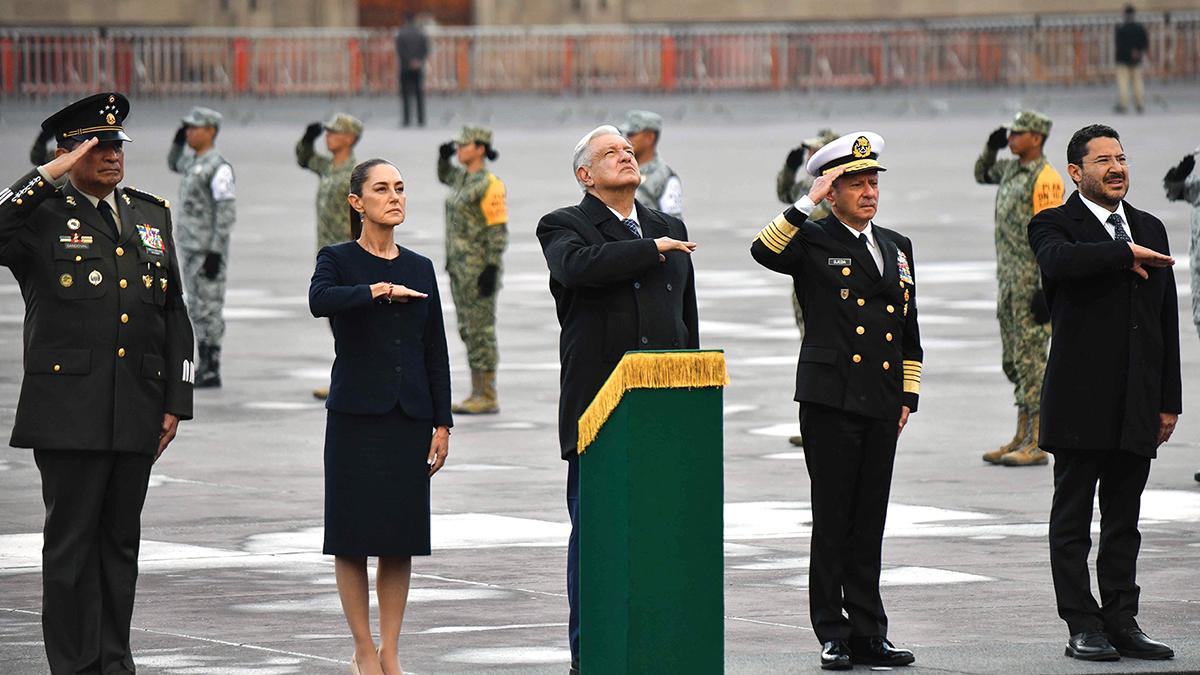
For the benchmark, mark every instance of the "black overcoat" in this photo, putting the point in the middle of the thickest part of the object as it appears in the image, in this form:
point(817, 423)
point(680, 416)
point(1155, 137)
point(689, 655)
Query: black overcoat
point(107, 340)
point(613, 295)
point(1114, 354)
point(862, 344)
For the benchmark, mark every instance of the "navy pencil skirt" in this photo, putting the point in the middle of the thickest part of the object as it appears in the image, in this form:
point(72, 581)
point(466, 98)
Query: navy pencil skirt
point(376, 484)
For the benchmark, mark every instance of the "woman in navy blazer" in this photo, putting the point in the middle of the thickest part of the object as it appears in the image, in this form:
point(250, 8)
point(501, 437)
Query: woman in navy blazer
point(388, 421)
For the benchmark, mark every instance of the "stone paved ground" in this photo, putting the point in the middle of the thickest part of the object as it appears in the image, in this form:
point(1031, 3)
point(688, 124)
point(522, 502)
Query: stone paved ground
point(232, 579)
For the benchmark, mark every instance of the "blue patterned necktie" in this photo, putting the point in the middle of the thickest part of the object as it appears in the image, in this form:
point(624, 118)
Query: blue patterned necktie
point(1119, 232)
point(632, 226)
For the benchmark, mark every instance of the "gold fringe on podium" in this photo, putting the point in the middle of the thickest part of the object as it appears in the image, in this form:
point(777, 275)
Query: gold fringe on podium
point(650, 370)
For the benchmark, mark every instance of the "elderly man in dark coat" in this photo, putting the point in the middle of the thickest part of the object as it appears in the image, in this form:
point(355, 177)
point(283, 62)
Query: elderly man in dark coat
point(1112, 392)
point(622, 279)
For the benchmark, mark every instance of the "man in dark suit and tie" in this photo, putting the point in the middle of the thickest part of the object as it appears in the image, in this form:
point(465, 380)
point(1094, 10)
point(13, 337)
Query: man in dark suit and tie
point(1112, 392)
point(108, 372)
point(857, 380)
point(622, 279)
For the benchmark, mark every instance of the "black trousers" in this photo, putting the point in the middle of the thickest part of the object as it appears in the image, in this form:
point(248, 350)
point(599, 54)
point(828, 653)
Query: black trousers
point(849, 459)
point(412, 89)
point(89, 556)
point(1121, 477)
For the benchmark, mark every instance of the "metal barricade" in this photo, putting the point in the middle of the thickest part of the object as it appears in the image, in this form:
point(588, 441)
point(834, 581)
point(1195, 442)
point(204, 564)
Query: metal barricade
point(1012, 51)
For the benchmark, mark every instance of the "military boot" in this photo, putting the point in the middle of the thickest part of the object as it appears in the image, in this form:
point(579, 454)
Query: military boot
point(1018, 440)
point(797, 441)
point(321, 393)
point(478, 402)
point(1028, 454)
point(208, 366)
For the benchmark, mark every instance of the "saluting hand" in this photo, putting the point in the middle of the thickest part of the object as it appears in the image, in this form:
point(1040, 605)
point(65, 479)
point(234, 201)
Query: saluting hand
point(439, 448)
point(170, 425)
point(1147, 257)
point(823, 184)
point(59, 166)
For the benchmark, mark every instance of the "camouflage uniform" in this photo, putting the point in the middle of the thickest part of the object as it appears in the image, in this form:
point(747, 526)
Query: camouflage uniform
point(476, 236)
point(204, 221)
point(790, 189)
point(1024, 190)
point(661, 188)
point(1187, 188)
point(333, 212)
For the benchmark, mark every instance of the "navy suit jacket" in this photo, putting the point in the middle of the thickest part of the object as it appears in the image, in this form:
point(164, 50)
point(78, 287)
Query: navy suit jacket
point(1114, 355)
point(388, 355)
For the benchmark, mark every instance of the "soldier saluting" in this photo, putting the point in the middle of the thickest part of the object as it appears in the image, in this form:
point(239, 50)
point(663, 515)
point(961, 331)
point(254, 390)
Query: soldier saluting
point(107, 335)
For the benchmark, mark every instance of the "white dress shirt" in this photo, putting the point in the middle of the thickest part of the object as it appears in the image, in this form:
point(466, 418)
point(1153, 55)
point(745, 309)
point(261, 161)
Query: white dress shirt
point(632, 216)
point(1102, 215)
point(806, 205)
point(111, 199)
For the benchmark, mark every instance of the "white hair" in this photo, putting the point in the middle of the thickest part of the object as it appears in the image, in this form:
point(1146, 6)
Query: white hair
point(582, 156)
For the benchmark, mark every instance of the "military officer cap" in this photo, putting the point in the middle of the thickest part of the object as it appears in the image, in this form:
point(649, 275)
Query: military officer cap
point(344, 123)
point(641, 120)
point(200, 116)
point(1029, 120)
point(857, 152)
point(100, 116)
point(470, 134)
point(823, 138)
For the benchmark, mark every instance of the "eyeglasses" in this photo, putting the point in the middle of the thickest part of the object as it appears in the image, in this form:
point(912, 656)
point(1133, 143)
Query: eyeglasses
point(1108, 161)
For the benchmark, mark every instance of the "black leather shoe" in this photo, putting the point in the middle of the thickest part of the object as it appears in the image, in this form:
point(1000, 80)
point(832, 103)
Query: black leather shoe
point(1132, 642)
point(877, 651)
point(574, 668)
point(1091, 646)
point(835, 655)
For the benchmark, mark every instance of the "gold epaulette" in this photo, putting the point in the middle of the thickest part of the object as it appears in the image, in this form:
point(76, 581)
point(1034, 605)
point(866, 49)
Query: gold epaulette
point(912, 377)
point(777, 234)
point(150, 197)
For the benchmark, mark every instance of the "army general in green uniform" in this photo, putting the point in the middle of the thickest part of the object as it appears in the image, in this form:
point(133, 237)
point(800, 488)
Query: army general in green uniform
point(1028, 184)
point(108, 372)
point(476, 235)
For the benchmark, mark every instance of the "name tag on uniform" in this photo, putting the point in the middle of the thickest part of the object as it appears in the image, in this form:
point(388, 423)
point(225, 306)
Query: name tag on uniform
point(839, 262)
point(151, 238)
point(76, 241)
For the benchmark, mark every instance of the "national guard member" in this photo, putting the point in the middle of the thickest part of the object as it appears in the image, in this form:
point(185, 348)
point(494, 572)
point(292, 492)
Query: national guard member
point(1028, 184)
point(660, 188)
point(206, 202)
point(858, 378)
point(342, 132)
point(41, 152)
point(1182, 183)
point(476, 236)
point(108, 372)
point(789, 188)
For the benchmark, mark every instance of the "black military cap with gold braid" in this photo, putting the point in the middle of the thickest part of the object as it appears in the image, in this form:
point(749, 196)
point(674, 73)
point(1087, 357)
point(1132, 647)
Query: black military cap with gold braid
point(100, 116)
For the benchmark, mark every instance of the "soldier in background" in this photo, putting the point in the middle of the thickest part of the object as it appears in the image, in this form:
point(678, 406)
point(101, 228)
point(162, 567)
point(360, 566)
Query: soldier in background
point(342, 132)
point(476, 235)
point(412, 49)
point(660, 188)
point(1028, 184)
point(41, 152)
point(1132, 41)
point(1182, 183)
point(207, 211)
point(790, 189)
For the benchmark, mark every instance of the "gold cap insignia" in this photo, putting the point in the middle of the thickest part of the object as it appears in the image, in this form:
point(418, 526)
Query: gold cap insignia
point(95, 278)
point(861, 148)
point(110, 118)
point(66, 280)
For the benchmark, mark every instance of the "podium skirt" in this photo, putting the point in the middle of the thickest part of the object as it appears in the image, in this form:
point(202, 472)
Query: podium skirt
point(376, 484)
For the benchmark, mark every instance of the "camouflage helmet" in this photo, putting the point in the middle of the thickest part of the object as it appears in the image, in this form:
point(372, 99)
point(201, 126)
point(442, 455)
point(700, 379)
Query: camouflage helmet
point(817, 142)
point(344, 123)
point(1029, 120)
point(200, 116)
point(470, 134)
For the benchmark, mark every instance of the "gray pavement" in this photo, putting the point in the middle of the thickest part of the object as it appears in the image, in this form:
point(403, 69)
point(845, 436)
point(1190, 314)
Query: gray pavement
point(232, 577)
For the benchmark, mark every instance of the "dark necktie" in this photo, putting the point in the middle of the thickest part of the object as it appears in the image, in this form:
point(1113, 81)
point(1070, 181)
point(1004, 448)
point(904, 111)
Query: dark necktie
point(1119, 232)
point(632, 226)
point(107, 214)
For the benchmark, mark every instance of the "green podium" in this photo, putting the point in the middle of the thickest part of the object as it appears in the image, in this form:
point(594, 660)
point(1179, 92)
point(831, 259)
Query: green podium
point(651, 558)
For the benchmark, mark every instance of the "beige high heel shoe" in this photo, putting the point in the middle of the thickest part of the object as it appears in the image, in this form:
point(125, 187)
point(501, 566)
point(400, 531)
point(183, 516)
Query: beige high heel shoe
point(354, 666)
